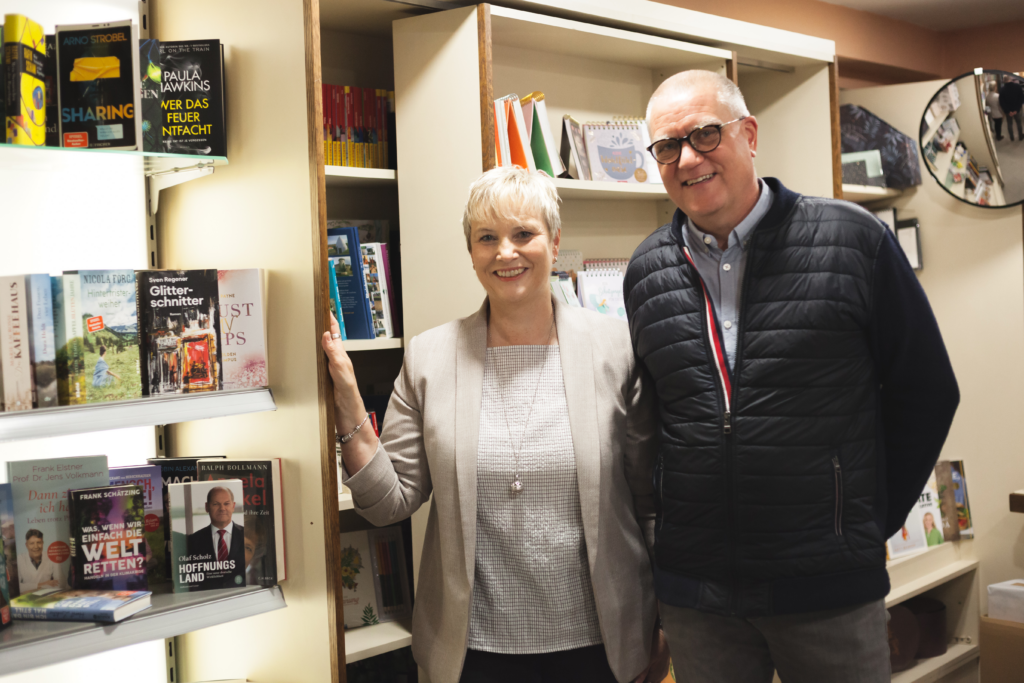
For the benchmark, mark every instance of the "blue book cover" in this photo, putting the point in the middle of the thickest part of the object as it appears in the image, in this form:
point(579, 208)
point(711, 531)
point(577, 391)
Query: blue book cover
point(42, 340)
point(336, 301)
point(7, 536)
point(50, 604)
point(150, 478)
point(343, 253)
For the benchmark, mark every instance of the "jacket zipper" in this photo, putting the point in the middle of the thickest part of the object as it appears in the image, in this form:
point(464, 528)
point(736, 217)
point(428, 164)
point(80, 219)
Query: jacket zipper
point(839, 495)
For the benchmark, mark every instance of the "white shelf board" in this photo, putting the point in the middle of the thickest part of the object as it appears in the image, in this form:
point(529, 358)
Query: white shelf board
point(27, 645)
point(596, 189)
point(345, 501)
point(370, 641)
point(868, 193)
point(46, 158)
point(943, 160)
point(925, 583)
point(348, 176)
point(373, 344)
point(932, 129)
point(934, 668)
point(140, 412)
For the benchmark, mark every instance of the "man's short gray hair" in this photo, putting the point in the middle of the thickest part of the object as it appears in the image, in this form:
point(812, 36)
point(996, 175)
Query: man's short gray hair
point(510, 192)
point(728, 93)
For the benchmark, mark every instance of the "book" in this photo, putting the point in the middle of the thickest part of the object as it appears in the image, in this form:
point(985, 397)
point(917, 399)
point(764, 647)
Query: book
point(15, 359)
point(24, 82)
point(965, 520)
point(110, 334)
point(67, 325)
point(242, 304)
point(5, 592)
point(79, 605)
point(942, 479)
point(616, 152)
point(192, 97)
point(390, 581)
point(394, 297)
point(573, 150)
point(52, 118)
point(601, 291)
point(10, 547)
point(342, 245)
point(923, 527)
point(179, 331)
point(42, 340)
point(202, 511)
point(264, 514)
point(108, 546)
point(336, 302)
point(150, 479)
point(173, 471)
point(542, 143)
point(376, 290)
point(98, 84)
point(42, 524)
point(150, 78)
point(510, 134)
point(358, 592)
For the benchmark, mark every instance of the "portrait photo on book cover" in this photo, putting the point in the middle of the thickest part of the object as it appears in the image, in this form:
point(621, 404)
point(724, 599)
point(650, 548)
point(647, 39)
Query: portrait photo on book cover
point(208, 535)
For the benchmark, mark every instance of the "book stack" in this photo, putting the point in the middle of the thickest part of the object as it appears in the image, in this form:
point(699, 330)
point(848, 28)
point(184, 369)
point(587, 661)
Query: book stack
point(363, 288)
point(522, 134)
point(98, 86)
point(359, 126)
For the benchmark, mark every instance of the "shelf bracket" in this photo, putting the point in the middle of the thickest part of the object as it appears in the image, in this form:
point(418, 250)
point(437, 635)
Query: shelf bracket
point(161, 180)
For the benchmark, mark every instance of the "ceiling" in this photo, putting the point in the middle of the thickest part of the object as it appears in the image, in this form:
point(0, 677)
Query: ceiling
point(942, 15)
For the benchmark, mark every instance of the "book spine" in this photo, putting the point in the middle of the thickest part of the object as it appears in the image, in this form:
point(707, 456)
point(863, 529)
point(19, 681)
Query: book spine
point(336, 302)
point(326, 110)
point(339, 128)
point(58, 614)
point(76, 339)
point(14, 344)
point(41, 340)
point(349, 127)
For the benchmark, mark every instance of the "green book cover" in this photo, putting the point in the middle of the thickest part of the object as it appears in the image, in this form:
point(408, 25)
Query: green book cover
point(67, 327)
point(110, 335)
point(539, 146)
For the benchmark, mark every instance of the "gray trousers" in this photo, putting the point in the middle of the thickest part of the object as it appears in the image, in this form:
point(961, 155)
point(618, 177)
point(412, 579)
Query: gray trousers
point(847, 645)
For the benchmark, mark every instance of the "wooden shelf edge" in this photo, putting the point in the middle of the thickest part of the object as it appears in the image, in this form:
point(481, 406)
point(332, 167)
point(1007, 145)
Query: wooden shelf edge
point(929, 670)
point(370, 641)
point(373, 344)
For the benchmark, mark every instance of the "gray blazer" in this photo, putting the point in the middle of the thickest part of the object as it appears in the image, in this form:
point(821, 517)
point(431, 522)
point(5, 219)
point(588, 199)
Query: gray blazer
point(429, 445)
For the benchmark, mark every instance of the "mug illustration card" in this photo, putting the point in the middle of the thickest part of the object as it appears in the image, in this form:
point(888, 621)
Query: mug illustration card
point(616, 152)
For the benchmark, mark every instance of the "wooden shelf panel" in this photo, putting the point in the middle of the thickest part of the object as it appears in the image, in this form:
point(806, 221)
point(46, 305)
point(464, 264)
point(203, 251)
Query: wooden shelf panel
point(373, 344)
point(369, 641)
point(348, 176)
point(140, 412)
point(596, 189)
point(27, 645)
point(868, 193)
point(928, 670)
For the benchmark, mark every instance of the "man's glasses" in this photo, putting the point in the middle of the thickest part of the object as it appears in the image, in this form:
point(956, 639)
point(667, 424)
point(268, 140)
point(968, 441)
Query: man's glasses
point(703, 139)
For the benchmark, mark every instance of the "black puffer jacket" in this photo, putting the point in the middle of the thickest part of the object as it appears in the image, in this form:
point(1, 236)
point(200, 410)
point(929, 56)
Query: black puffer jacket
point(780, 499)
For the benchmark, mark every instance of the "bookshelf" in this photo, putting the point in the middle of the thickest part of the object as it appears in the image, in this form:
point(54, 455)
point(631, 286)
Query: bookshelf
point(369, 641)
point(346, 176)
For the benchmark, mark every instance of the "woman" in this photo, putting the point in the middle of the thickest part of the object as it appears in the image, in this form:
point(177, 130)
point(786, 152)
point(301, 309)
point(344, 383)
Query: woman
point(931, 534)
point(530, 424)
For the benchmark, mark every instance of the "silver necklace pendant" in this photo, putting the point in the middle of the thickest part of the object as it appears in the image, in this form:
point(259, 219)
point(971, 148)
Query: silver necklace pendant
point(517, 485)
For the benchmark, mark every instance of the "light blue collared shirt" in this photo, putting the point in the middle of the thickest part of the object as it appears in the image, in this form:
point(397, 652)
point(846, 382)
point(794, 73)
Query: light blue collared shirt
point(722, 271)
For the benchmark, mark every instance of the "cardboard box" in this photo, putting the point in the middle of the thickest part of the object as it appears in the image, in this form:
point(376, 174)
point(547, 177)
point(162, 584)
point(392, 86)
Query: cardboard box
point(1006, 601)
point(1002, 651)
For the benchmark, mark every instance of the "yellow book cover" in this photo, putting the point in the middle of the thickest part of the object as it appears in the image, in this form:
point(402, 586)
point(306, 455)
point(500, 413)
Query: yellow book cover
point(24, 88)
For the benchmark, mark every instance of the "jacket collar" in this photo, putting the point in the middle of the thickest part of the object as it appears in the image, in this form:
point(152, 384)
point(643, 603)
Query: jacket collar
point(783, 202)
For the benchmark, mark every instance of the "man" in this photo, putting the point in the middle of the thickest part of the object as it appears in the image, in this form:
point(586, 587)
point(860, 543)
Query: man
point(804, 396)
point(35, 569)
point(221, 541)
point(1011, 101)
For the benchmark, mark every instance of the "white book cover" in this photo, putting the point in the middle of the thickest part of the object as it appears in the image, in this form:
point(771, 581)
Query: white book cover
point(549, 139)
point(524, 138)
point(601, 291)
point(616, 152)
point(923, 527)
point(243, 328)
point(358, 594)
point(15, 362)
point(377, 268)
point(376, 292)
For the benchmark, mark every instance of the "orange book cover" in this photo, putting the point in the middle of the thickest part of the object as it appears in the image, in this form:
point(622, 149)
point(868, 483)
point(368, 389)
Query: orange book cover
point(515, 145)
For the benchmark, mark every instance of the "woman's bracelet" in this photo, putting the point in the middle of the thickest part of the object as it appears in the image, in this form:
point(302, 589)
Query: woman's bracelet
point(348, 437)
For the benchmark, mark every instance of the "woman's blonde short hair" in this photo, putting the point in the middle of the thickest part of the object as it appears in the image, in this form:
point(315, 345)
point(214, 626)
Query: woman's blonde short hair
point(510, 192)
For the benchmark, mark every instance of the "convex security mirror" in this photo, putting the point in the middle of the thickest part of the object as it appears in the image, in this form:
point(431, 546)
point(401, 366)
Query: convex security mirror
point(971, 138)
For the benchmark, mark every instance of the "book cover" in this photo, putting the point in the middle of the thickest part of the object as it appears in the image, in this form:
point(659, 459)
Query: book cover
point(391, 583)
point(79, 605)
point(15, 363)
point(910, 539)
point(264, 514)
point(110, 334)
point(42, 340)
point(173, 471)
point(573, 151)
point(359, 597)
point(207, 535)
point(192, 91)
point(336, 302)
point(5, 593)
point(179, 331)
point(67, 325)
point(601, 291)
point(42, 523)
point(52, 118)
point(963, 504)
point(243, 328)
point(108, 546)
point(98, 82)
point(616, 152)
point(394, 297)
point(23, 81)
point(7, 537)
point(943, 479)
point(150, 77)
point(150, 479)
point(342, 245)
point(376, 290)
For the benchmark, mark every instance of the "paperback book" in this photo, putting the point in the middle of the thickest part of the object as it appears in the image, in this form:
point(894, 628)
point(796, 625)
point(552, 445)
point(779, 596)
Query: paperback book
point(52, 118)
point(110, 334)
point(358, 593)
point(68, 328)
point(342, 245)
point(149, 479)
point(42, 338)
point(264, 514)
point(173, 471)
point(42, 523)
point(98, 82)
point(573, 150)
point(192, 97)
point(15, 365)
point(376, 290)
point(390, 580)
point(242, 297)
point(5, 593)
point(207, 535)
point(108, 548)
point(54, 604)
point(7, 537)
point(150, 77)
point(24, 95)
point(179, 331)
